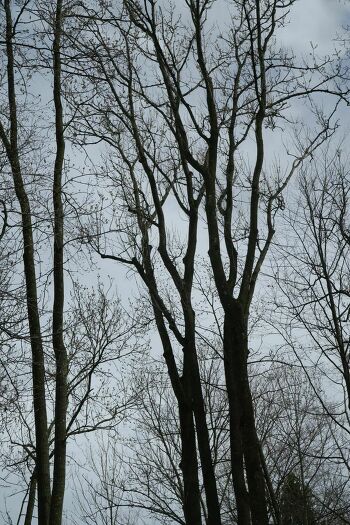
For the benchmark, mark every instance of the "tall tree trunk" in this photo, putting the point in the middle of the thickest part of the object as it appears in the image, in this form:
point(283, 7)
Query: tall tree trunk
point(235, 418)
point(182, 389)
point(189, 462)
point(237, 347)
point(189, 465)
point(38, 364)
point(59, 470)
point(31, 500)
point(207, 467)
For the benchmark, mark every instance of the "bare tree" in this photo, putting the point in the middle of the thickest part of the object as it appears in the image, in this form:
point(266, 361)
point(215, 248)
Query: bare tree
point(98, 335)
point(9, 133)
point(301, 445)
point(140, 472)
point(315, 300)
point(182, 110)
point(39, 184)
point(177, 102)
point(148, 456)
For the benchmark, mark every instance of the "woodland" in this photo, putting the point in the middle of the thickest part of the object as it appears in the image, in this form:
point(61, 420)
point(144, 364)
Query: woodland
point(174, 262)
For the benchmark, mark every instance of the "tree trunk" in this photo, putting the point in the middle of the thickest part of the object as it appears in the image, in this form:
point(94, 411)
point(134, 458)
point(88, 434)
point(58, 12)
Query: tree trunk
point(182, 389)
point(189, 463)
point(236, 349)
point(235, 417)
point(190, 352)
point(207, 467)
point(59, 470)
point(38, 365)
point(31, 500)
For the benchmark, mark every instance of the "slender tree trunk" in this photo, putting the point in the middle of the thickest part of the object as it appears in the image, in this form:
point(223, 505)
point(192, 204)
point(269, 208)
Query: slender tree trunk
point(203, 438)
point(189, 466)
point(182, 389)
point(207, 467)
point(31, 500)
point(38, 365)
point(59, 470)
point(189, 462)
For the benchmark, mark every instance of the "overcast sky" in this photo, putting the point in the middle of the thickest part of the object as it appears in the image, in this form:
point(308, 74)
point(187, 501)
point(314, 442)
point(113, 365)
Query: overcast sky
point(316, 21)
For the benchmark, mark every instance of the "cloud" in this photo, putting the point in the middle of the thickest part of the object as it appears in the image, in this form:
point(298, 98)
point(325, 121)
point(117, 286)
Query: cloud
point(316, 21)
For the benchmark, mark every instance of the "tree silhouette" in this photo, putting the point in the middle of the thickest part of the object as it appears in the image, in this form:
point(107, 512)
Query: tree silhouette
point(296, 502)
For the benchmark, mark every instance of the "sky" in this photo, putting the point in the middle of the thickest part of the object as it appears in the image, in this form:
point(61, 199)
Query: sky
point(318, 22)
